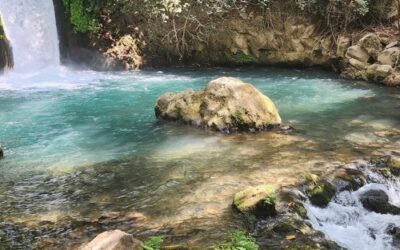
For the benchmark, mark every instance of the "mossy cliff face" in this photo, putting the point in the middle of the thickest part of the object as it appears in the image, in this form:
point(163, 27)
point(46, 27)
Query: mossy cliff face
point(6, 60)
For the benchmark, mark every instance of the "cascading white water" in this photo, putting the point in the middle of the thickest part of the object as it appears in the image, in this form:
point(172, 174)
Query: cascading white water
point(348, 223)
point(30, 26)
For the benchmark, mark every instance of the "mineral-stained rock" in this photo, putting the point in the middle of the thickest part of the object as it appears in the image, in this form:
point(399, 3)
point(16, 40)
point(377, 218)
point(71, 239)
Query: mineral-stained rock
point(113, 240)
point(226, 104)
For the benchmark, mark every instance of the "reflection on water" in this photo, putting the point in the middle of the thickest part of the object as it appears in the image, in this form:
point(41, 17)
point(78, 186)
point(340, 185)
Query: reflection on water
point(92, 157)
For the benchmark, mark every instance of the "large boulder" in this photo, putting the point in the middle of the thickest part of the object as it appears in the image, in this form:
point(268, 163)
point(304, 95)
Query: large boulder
point(226, 104)
point(114, 240)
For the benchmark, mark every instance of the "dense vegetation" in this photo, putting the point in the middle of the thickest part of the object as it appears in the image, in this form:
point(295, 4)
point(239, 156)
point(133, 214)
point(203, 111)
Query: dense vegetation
point(181, 23)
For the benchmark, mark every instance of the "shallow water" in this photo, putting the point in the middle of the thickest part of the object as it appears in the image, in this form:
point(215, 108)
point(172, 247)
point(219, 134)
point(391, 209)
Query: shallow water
point(84, 152)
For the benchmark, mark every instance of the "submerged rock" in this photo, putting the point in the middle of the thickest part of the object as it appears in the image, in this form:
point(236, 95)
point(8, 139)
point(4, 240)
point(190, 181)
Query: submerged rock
point(226, 104)
point(114, 240)
point(378, 201)
point(259, 201)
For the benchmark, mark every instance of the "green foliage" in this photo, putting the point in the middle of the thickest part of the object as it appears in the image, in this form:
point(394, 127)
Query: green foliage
point(153, 243)
point(237, 117)
point(271, 199)
point(84, 14)
point(239, 240)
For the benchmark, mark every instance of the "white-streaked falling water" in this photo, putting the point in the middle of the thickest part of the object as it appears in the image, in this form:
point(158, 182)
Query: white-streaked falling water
point(30, 26)
point(349, 224)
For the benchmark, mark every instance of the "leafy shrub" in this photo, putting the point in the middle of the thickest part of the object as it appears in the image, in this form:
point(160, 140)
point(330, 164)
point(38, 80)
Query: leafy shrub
point(84, 14)
point(153, 243)
point(239, 240)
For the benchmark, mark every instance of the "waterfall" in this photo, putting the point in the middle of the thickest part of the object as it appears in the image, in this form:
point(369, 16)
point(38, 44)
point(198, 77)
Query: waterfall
point(30, 26)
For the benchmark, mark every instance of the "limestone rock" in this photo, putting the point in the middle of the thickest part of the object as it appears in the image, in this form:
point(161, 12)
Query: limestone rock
point(372, 44)
point(357, 64)
point(259, 201)
point(343, 43)
point(357, 52)
point(226, 104)
point(390, 56)
point(113, 240)
point(378, 72)
point(393, 79)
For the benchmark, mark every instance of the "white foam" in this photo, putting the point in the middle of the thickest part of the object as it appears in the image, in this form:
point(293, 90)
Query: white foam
point(348, 223)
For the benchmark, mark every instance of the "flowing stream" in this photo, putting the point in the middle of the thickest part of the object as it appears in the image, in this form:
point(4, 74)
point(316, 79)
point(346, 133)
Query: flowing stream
point(84, 152)
point(348, 223)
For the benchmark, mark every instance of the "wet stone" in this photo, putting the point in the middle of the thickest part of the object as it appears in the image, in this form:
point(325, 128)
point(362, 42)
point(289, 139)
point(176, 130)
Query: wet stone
point(378, 201)
point(321, 192)
point(395, 233)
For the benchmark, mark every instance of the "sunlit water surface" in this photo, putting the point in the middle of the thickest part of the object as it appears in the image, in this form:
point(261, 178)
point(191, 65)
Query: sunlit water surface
point(85, 153)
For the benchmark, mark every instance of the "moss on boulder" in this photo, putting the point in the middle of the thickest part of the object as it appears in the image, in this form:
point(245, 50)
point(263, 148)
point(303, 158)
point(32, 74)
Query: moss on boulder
point(259, 200)
point(319, 191)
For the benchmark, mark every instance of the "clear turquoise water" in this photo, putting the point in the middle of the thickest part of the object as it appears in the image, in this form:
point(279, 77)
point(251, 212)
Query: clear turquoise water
point(82, 143)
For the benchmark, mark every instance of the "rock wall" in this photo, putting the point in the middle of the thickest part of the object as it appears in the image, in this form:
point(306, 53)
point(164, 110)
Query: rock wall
point(375, 57)
point(297, 41)
point(6, 59)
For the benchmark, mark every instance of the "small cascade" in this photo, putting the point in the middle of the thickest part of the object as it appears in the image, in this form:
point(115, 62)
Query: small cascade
point(30, 26)
point(348, 223)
